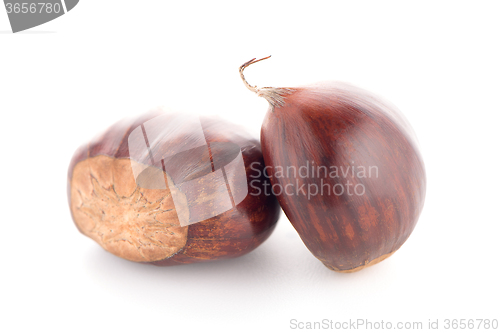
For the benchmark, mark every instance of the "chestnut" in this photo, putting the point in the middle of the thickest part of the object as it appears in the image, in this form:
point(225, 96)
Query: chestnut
point(346, 169)
point(171, 189)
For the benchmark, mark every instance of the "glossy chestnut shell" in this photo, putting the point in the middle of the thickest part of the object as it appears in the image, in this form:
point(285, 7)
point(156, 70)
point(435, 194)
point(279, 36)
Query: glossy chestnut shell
point(372, 192)
point(346, 169)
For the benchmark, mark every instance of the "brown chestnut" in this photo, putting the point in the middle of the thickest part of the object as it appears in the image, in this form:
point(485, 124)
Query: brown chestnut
point(346, 169)
point(171, 189)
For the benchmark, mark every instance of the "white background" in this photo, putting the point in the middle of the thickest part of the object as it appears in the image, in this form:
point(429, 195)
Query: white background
point(63, 82)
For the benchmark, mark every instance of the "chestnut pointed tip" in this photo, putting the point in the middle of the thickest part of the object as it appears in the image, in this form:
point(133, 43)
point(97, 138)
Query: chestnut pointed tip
point(246, 64)
point(253, 61)
point(275, 96)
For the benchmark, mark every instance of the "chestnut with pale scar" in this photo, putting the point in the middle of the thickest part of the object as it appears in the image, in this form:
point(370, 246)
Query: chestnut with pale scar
point(169, 195)
point(129, 221)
